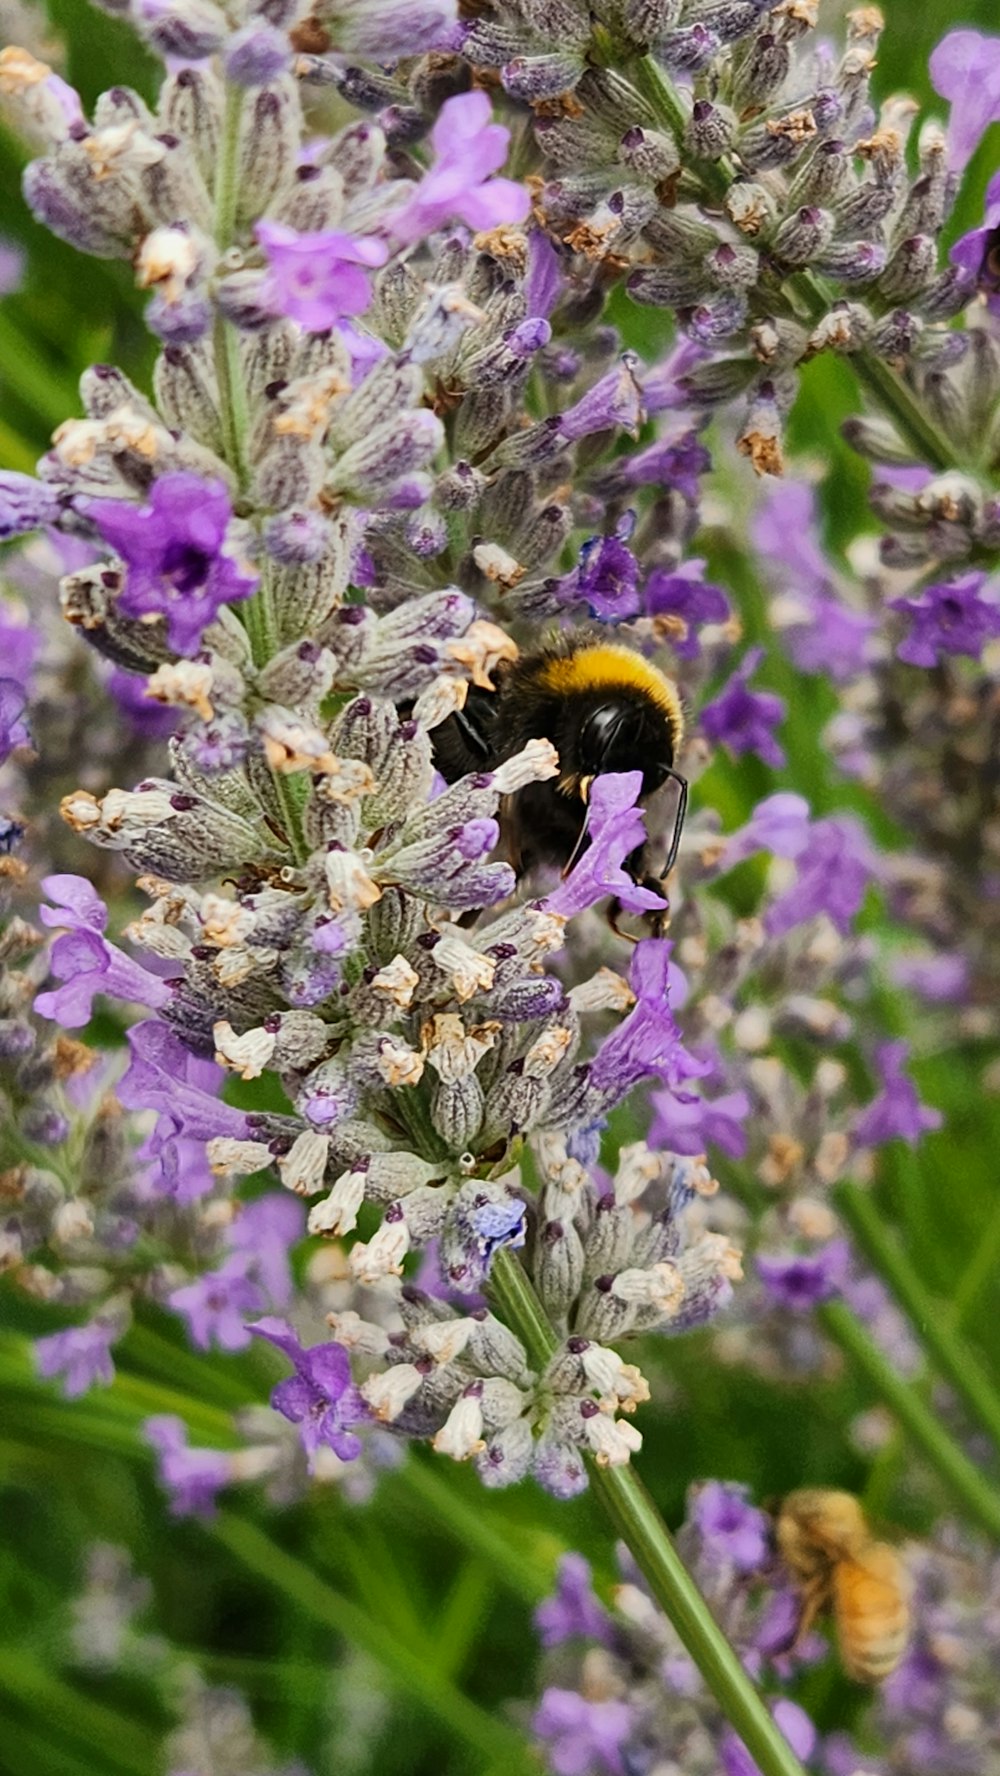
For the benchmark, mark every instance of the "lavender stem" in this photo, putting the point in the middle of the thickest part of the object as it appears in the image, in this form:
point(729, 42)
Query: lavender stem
point(640, 1526)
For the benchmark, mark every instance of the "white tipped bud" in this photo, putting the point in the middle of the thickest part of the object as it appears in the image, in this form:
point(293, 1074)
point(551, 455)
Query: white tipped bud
point(242, 1157)
point(246, 1055)
point(638, 1167)
point(71, 1222)
point(622, 1386)
point(398, 1063)
point(356, 1334)
point(469, 971)
point(533, 764)
point(604, 991)
point(613, 1440)
point(382, 1256)
point(389, 1392)
point(461, 1435)
point(303, 1167)
point(397, 982)
point(497, 566)
point(453, 1051)
point(338, 1212)
point(442, 698)
point(224, 922)
point(661, 1286)
point(444, 1340)
point(349, 886)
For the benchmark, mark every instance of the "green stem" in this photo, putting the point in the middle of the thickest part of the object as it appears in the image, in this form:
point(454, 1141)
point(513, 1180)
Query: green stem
point(483, 1733)
point(914, 426)
point(977, 1496)
point(979, 1271)
point(953, 1357)
point(126, 1745)
point(529, 1577)
point(638, 1522)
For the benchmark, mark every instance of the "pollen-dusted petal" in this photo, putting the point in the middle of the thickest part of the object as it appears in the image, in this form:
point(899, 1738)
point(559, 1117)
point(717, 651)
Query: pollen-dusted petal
point(246, 1055)
point(661, 1286)
point(468, 970)
point(382, 1256)
point(461, 1435)
point(397, 982)
point(349, 886)
point(338, 1213)
point(303, 1168)
point(387, 1394)
point(536, 762)
point(444, 1340)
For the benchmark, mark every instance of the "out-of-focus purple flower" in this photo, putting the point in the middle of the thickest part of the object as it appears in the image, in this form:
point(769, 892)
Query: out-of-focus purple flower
point(951, 618)
point(798, 1281)
point(25, 504)
point(793, 1722)
point(155, 721)
point(942, 980)
point(19, 645)
point(612, 403)
point(678, 461)
point(263, 1232)
point(85, 962)
point(572, 1610)
point(830, 639)
point(833, 874)
point(319, 1397)
point(14, 730)
point(583, 1738)
point(385, 30)
point(318, 276)
point(543, 282)
point(975, 252)
point(468, 147)
point(193, 1477)
point(733, 1532)
point(615, 826)
point(81, 1356)
point(688, 1124)
point(12, 264)
point(779, 824)
point(662, 382)
point(648, 1041)
point(743, 720)
point(215, 1305)
point(965, 70)
point(687, 602)
point(174, 550)
point(897, 1113)
point(257, 54)
point(783, 530)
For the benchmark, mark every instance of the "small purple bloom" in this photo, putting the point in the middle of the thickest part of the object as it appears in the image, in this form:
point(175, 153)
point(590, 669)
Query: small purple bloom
point(687, 1124)
point(85, 962)
point(779, 824)
point(897, 1113)
point(573, 1610)
point(264, 1232)
point(648, 1041)
point(215, 1305)
point(12, 265)
point(830, 639)
point(794, 1723)
point(951, 618)
point(193, 1477)
point(661, 383)
point(14, 729)
point(164, 1076)
point(976, 252)
point(943, 979)
point(174, 550)
point(81, 1356)
point(319, 1397)
point(743, 720)
point(834, 872)
point(318, 277)
point(583, 1738)
point(612, 403)
point(798, 1281)
point(965, 70)
point(607, 576)
point(684, 598)
point(784, 531)
point(615, 826)
point(468, 147)
point(733, 1532)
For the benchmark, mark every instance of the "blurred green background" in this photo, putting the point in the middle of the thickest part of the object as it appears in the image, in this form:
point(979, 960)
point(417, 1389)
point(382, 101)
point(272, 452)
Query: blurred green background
point(391, 1638)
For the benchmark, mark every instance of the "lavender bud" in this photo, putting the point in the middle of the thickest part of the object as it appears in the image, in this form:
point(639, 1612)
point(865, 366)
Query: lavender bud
point(256, 55)
point(192, 102)
point(876, 440)
point(558, 1266)
point(688, 50)
point(851, 262)
point(646, 21)
point(187, 394)
point(802, 236)
point(457, 1112)
point(269, 144)
point(189, 29)
point(711, 130)
point(508, 1455)
point(910, 269)
point(535, 78)
point(761, 72)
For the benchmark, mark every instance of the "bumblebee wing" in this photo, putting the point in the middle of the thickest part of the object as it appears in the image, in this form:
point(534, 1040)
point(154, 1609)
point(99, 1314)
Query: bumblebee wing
point(872, 1612)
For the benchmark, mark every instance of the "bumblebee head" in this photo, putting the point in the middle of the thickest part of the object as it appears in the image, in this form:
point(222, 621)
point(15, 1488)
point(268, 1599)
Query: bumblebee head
point(625, 734)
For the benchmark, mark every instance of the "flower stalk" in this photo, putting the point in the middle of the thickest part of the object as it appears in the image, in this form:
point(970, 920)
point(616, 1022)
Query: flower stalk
point(970, 1489)
point(951, 1353)
point(637, 1521)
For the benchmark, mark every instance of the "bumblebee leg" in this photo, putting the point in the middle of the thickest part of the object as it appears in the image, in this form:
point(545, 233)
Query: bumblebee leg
point(613, 913)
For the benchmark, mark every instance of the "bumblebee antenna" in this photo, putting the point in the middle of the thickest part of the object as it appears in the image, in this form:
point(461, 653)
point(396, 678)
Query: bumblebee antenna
point(679, 816)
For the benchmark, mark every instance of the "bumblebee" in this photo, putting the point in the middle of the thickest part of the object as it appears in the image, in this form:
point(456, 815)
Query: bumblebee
point(824, 1538)
point(604, 708)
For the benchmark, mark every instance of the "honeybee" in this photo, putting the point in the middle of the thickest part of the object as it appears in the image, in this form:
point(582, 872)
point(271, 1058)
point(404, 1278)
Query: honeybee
point(824, 1538)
